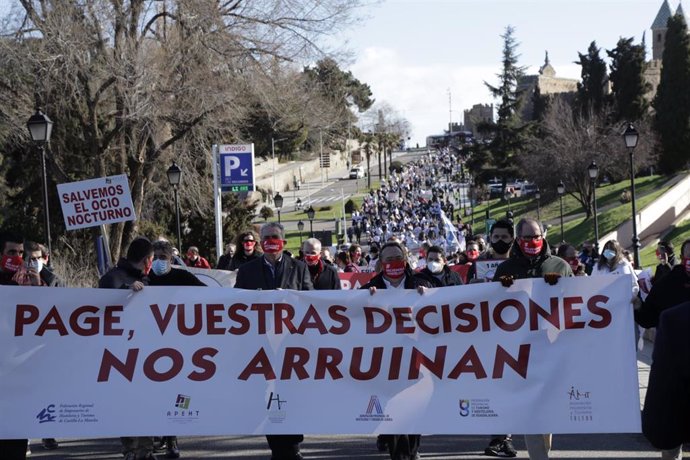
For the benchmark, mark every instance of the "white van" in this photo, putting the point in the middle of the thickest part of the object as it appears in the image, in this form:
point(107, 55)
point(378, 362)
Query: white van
point(357, 172)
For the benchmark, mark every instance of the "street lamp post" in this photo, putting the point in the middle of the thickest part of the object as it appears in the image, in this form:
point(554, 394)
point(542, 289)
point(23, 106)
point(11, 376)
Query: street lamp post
point(273, 156)
point(561, 192)
point(41, 127)
point(300, 227)
point(278, 203)
point(631, 136)
point(174, 177)
point(310, 216)
point(509, 214)
point(593, 171)
point(537, 195)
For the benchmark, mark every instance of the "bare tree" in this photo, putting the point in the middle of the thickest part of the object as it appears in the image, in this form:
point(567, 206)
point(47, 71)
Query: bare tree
point(136, 82)
point(567, 144)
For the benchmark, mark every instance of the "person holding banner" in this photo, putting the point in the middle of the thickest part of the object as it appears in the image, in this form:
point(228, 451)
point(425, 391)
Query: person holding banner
point(12, 246)
point(436, 271)
point(131, 272)
point(531, 258)
point(276, 270)
point(397, 274)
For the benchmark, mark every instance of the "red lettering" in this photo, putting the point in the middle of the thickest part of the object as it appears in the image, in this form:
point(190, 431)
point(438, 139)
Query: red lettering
point(604, 314)
point(163, 321)
point(234, 315)
point(421, 322)
point(52, 321)
point(327, 360)
point(207, 366)
point(110, 361)
point(356, 364)
point(419, 359)
point(283, 316)
point(519, 365)
point(262, 309)
point(403, 315)
point(334, 311)
point(396, 363)
point(535, 311)
point(312, 320)
point(570, 312)
point(24, 314)
point(370, 314)
point(498, 315)
point(471, 320)
point(294, 360)
point(213, 316)
point(260, 365)
point(175, 366)
point(468, 364)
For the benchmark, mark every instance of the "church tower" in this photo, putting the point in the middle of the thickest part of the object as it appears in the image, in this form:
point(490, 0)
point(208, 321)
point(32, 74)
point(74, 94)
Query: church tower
point(659, 30)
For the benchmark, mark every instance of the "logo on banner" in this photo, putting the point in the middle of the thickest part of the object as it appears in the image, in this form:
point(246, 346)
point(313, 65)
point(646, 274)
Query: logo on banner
point(476, 408)
point(47, 414)
point(374, 412)
point(276, 408)
point(464, 407)
point(182, 412)
point(182, 402)
point(581, 409)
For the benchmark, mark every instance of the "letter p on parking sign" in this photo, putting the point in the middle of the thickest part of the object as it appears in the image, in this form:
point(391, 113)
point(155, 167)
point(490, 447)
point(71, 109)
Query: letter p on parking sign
point(236, 167)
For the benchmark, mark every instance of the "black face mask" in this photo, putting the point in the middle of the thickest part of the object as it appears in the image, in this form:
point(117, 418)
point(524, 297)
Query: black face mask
point(501, 247)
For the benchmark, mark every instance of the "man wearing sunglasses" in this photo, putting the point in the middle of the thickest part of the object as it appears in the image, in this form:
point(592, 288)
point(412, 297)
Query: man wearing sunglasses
point(533, 259)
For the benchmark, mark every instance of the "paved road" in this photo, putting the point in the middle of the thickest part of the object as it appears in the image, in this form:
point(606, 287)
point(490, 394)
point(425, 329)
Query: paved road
point(621, 446)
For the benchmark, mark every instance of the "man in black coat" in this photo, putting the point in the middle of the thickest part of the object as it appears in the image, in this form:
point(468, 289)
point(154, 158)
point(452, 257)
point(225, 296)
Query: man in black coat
point(667, 292)
point(323, 276)
point(12, 250)
point(131, 272)
point(397, 274)
point(666, 414)
point(275, 270)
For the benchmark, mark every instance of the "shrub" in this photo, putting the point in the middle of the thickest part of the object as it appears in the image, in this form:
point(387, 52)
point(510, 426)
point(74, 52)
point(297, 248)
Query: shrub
point(266, 212)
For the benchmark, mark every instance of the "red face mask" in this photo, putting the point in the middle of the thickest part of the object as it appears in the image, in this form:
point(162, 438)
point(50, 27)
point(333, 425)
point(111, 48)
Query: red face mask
point(272, 245)
point(395, 269)
point(248, 245)
point(531, 247)
point(574, 263)
point(686, 264)
point(11, 263)
point(472, 255)
point(312, 259)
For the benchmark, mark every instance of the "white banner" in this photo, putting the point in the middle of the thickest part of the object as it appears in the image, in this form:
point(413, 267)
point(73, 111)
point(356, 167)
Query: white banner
point(92, 202)
point(474, 359)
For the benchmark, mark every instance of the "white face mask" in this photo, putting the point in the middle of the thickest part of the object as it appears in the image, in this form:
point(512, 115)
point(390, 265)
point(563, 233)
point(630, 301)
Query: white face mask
point(435, 267)
point(36, 265)
point(609, 254)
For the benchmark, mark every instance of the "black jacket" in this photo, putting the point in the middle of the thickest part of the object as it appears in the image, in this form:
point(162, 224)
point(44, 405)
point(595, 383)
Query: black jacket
point(520, 266)
point(239, 259)
point(328, 279)
point(256, 275)
point(666, 414)
point(669, 291)
point(448, 278)
point(122, 276)
point(411, 281)
point(50, 278)
point(175, 277)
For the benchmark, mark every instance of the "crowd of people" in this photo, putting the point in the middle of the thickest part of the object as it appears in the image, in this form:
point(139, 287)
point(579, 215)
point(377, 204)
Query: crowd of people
point(404, 237)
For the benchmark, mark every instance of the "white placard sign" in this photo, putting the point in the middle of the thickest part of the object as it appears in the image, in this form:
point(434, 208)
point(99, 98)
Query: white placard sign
point(486, 269)
point(472, 359)
point(92, 202)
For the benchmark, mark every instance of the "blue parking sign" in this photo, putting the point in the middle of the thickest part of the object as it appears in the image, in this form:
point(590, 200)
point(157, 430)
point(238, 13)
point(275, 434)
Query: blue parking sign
point(236, 167)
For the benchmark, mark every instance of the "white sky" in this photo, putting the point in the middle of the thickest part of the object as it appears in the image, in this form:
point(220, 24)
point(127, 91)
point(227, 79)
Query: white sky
point(411, 52)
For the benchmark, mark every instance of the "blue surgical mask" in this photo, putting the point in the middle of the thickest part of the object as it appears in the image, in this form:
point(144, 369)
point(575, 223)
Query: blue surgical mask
point(608, 254)
point(160, 267)
point(36, 265)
